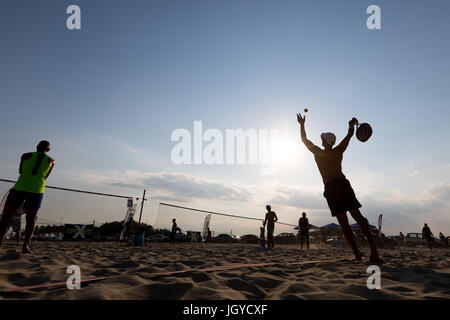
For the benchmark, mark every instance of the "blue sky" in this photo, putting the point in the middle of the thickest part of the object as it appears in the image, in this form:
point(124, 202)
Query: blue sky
point(109, 96)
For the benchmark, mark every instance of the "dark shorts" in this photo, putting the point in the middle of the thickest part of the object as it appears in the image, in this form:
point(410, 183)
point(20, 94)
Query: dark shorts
point(304, 235)
point(31, 201)
point(340, 196)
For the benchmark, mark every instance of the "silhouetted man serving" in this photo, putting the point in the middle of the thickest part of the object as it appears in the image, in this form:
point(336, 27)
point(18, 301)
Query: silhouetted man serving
point(34, 169)
point(338, 191)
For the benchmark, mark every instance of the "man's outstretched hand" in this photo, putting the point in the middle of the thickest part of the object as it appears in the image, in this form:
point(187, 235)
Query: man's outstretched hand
point(300, 119)
point(352, 122)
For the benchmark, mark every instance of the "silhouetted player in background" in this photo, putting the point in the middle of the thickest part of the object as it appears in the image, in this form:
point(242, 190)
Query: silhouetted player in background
point(338, 191)
point(303, 227)
point(270, 220)
point(428, 235)
point(262, 237)
point(175, 229)
point(34, 169)
point(208, 236)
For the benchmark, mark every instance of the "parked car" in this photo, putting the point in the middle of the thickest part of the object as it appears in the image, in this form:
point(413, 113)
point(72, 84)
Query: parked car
point(236, 238)
point(250, 238)
point(286, 238)
point(414, 239)
point(226, 238)
point(332, 238)
point(181, 237)
point(110, 238)
point(397, 240)
point(53, 237)
point(158, 238)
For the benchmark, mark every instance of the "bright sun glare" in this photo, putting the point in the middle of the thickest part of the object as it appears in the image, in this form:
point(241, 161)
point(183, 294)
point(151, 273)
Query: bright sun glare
point(286, 150)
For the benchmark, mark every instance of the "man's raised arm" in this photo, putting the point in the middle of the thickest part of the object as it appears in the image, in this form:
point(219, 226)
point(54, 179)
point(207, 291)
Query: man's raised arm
point(311, 146)
point(351, 129)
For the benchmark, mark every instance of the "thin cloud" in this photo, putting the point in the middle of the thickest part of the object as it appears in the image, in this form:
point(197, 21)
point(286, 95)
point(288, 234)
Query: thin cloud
point(172, 185)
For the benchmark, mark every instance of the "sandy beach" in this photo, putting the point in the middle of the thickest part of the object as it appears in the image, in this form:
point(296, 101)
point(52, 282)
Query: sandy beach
point(409, 273)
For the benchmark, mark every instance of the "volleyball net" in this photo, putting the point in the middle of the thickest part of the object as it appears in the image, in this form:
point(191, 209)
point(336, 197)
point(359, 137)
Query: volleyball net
point(192, 219)
point(71, 206)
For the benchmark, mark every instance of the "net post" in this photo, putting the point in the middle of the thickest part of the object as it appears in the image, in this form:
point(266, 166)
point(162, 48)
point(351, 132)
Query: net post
point(142, 207)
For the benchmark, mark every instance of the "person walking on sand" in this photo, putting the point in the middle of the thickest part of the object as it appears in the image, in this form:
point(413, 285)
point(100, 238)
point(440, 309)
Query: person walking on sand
point(174, 231)
point(208, 236)
point(270, 220)
point(34, 169)
point(338, 191)
point(303, 227)
point(262, 237)
point(402, 237)
point(428, 235)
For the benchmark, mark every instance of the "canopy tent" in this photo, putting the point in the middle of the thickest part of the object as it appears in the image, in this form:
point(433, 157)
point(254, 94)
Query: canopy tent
point(356, 226)
point(311, 227)
point(335, 226)
point(331, 226)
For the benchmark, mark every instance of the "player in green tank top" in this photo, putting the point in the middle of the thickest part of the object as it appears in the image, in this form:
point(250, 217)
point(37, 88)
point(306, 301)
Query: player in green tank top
point(34, 169)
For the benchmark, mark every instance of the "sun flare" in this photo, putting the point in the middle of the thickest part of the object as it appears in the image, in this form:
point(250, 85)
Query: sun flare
point(285, 150)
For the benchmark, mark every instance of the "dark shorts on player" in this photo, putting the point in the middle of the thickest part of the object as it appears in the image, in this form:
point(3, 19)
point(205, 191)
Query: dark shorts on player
point(31, 201)
point(304, 235)
point(340, 196)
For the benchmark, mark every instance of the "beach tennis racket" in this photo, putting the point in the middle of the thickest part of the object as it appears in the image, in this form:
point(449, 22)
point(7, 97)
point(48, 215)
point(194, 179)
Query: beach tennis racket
point(363, 132)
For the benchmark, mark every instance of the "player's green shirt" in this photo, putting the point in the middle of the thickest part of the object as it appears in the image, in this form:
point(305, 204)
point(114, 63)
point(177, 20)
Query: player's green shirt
point(34, 171)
